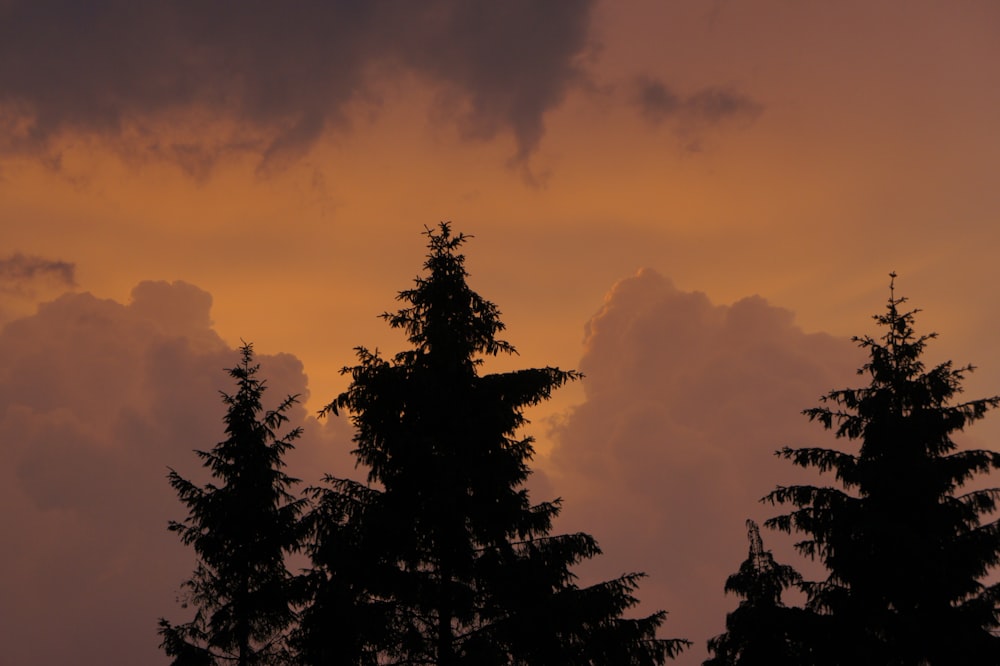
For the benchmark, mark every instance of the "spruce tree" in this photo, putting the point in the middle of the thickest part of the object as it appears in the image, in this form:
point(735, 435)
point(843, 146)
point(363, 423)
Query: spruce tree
point(441, 558)
point(762, 631)
point(906, 550)
point(241, 530)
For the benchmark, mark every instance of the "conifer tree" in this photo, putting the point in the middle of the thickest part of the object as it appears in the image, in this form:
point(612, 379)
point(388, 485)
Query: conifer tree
point(906, 550)
point(762, 631)
point(241, 530)
point(441, 558)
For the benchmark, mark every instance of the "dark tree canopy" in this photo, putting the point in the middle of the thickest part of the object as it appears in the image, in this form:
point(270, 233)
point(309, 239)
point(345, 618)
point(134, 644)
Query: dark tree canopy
point(762, 631)
point(442, 558)
point(906, 550)
point(241, 530)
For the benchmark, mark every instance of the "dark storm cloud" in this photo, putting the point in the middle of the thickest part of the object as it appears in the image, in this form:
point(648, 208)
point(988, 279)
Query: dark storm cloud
point(286, 71)
point(658, 103)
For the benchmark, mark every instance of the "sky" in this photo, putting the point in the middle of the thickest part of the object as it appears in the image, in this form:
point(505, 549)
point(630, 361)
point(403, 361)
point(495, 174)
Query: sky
point(695, 203)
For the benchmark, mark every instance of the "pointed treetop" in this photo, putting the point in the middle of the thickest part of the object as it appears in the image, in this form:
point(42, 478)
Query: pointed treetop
point(446, 319)
point(756, 546)
point(907, 552)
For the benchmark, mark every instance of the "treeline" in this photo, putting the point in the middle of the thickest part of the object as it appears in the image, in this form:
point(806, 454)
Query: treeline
point(442, 558)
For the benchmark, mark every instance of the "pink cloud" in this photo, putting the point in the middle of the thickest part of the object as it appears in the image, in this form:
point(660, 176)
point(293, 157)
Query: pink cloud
point(97, 399)
point(686, 401)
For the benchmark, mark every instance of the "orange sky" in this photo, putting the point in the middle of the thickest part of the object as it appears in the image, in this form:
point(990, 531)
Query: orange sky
point(286, 165)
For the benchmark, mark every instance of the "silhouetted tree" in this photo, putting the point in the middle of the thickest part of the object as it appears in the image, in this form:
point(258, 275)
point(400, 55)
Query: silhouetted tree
point(762, 631)
point(906, 552)
point(442, 559)
point(241, 530)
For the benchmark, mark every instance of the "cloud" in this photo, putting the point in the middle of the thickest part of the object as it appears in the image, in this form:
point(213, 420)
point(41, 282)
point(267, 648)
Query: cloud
point(718, 104)
point(664, 461)
point(27, 279)
point(19, 273)
point(115, 68)
point(655, 100)
point(658, 103)
point(97, 399)
point(686, 401)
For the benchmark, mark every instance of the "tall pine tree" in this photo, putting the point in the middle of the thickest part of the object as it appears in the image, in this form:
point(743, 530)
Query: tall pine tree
point(442, 558)
point(762, 631)
point(907, 552)
point(241, 531)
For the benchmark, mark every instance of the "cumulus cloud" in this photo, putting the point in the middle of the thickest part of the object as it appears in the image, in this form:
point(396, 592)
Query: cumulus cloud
point(97, 399)
point(690, 115)
point(286, 73)
point(686, 402)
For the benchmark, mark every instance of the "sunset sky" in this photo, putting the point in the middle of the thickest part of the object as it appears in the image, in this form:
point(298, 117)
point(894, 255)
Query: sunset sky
point(696, 203)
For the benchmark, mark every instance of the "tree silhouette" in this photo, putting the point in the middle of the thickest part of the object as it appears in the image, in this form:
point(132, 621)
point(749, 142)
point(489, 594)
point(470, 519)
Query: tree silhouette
point(906, 553)
point(241, 530)
point(762, 631)
point(441, 558)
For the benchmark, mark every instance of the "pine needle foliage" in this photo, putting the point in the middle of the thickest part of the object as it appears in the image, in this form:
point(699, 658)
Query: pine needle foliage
point(762, 630)
point(441, 558)
point(906, 547)
point(241, 527)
